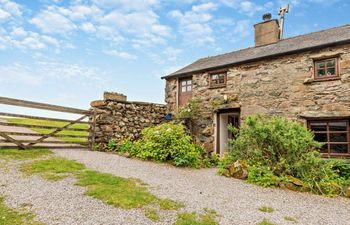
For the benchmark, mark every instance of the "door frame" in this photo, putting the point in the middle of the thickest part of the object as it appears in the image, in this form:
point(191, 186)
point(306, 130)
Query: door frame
point(236, 111)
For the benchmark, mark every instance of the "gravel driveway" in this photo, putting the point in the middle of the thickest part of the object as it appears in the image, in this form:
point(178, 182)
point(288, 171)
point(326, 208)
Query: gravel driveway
point(236, 202)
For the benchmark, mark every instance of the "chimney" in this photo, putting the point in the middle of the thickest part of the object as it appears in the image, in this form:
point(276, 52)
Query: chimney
point(267, 32)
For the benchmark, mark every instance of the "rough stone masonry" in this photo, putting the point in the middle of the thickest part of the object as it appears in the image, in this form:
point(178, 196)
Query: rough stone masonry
point(120, 119)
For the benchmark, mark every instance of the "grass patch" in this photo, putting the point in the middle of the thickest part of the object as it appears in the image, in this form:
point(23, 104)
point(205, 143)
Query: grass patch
point(52, 166)
point(266, 209)
point(291, 219)
point(195, 219)
point(54, 177)
point(53, 124)
point(15, 154)
point(116, 191)
point(152, 214)
point(168, 204)
point(10, 216)
point(266, 222)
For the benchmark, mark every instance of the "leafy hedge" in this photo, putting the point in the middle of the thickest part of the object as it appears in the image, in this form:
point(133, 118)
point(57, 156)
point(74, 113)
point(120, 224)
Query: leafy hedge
point(280, 152)
point(167, 142)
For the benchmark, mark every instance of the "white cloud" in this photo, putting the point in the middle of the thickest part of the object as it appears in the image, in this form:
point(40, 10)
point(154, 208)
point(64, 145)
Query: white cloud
point(88, 27)
point(248, 8)
point(242, 28)
point(53, 22)
point(127, 5)
point(19, 32)
point(68, 71)
point(4, 15)
point(120, 54)
point(204, 7)
point(18, 74)
point(194, 25)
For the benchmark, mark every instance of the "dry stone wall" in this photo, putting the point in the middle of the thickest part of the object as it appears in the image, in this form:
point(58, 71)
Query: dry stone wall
point(119, 119)
point(281, 86)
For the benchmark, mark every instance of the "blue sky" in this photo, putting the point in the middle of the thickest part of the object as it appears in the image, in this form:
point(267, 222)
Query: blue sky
point(69, 52)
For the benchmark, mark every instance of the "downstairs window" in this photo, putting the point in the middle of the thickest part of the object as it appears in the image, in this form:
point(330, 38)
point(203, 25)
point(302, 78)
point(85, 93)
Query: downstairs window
point(335, 136)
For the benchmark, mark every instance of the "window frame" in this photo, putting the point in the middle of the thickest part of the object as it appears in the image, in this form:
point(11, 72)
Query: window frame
point(187, 85)
point(328, 133)
point(220, 85)
point(326, 77)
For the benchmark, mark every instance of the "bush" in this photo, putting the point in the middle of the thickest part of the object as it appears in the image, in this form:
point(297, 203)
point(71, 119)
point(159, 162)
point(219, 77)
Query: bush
point(276, 142)
point(165, 142)
point(279, 151)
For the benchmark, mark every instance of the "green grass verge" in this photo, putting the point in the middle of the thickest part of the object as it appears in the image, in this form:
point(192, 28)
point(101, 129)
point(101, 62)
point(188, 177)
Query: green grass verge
point(15, 154)
point(10, 216)
point(117, 191)
point(195, 219)
point(53, 124)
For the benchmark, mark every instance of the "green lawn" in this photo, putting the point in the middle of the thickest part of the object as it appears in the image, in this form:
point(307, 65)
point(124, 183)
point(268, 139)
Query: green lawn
point(53, 124)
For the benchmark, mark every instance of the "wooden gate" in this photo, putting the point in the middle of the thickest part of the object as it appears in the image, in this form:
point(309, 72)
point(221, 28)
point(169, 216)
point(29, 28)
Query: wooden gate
point(25, 131)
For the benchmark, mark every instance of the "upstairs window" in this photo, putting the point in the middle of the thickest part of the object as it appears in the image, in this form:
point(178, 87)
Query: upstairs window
point(334, 135)
point(326, 69)
point(218, 79)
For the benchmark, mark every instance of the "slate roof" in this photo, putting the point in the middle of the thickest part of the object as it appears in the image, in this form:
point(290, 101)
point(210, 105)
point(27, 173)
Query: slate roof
point(316, 40)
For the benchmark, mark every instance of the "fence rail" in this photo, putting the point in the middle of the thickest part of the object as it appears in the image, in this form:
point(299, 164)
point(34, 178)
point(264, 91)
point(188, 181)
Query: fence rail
point(25, 135)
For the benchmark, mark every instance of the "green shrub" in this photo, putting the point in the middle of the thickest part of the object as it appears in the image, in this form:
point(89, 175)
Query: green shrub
point(276, 142)
point(279, 151)
point(262, 175)
point(112, 145)
point(165, 142)
point(130, 147)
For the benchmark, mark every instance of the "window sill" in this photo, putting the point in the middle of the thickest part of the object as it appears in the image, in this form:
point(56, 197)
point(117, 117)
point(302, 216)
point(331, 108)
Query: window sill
point(218, 86)
point(312, 80)
point(335, 156)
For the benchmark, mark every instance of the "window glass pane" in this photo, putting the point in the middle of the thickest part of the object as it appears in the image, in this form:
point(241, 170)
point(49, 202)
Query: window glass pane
point(318, 126)
point(189, 82)
point(189, 88)
point(339, 148)
point(331, 63)
point(183, 83)
point(321, 137)
point(343, 137)
point(338, 126)
point(320, 65)
point(324, 148)
point(214, 77)
point(330, 71)
point(321, 73)
point(183, 89)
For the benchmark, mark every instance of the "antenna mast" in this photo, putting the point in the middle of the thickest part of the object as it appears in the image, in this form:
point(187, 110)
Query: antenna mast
point(281, 12)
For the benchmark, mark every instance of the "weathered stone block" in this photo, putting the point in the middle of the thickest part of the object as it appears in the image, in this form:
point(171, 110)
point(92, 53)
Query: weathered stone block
point(114, 96)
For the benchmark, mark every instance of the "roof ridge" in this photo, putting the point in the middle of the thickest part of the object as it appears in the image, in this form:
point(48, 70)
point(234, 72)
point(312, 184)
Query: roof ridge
point(282, 40)
point(304, 42)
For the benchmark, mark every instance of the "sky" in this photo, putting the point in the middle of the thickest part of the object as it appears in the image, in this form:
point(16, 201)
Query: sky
point(69, 52)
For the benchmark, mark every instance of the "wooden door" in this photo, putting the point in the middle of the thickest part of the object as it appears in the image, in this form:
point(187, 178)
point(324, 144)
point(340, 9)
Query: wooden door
point(185, 90)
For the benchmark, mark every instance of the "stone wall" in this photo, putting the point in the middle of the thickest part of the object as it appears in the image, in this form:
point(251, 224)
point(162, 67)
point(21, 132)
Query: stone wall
point(119, 119)
point(281, 86)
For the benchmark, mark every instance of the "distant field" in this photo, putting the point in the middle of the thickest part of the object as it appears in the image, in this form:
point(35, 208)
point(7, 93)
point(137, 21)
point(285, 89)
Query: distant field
point(53, 124)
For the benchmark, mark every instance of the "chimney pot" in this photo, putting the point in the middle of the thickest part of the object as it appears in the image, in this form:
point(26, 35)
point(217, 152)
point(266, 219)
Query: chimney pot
point(267, 16)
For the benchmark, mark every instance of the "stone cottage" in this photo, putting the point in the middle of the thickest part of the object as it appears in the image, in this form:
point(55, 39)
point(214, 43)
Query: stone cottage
point(304, 78)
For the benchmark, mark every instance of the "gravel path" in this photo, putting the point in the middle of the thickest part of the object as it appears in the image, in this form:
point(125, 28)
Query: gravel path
point(64, 203)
